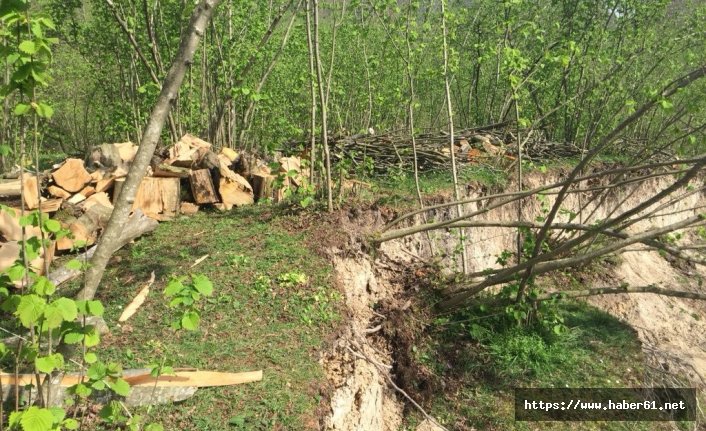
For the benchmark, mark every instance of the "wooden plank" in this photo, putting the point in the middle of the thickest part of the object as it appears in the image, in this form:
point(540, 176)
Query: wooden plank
point(202, 187)
point(181, 378)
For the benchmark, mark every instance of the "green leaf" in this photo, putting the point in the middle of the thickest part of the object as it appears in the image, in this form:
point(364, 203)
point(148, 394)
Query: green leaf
point(154, 427)
point(52, 226)
point(82, 390)
point(173, 287)
point(36, 419)
point(45, 111)
point(190, 320)
point(58, 413)
point(202, 284)
point(95, 308)
point(97, 371)
point(16, 272)
point(28, 47)
point(43, 286)
point(70, 424)
point(21, 109)
point(73, 265)
point(73, 337)
point(30, 309)
point(68, 308)
point(120, 387)
point(92, 338)
point(47, 364)
point(90, 358)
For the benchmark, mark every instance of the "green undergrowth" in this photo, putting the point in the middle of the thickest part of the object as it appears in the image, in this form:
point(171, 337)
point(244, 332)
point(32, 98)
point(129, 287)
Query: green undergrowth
point(480, 359)
point(399, 190)
point(274, 304)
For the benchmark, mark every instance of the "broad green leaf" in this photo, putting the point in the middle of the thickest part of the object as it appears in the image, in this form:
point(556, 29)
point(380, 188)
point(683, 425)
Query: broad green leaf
point(36, 419)
point(43, 287)
point(73, 338)
point(47, 364)
point(120, 387)
point(190, 320)
point(92, 338)
point(52, 226)
point(97, 371)
point(90, 358)
point(28, 47)
point(173, 287)
point(154, 427)
point(16, 272)
point(202, 284)
point(21, 109)
point(68, 308)
point(45, 111)
point(70, 424)
point(30, 309)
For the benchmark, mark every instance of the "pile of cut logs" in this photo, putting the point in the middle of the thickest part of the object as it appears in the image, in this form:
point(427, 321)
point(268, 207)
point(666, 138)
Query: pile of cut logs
point(180, 179)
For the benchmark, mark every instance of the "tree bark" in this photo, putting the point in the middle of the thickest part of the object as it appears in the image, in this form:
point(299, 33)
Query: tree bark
point(189, 43)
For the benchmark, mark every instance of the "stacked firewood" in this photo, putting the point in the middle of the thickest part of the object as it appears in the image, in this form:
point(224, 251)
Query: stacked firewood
point(182, 178)
point(494, 144)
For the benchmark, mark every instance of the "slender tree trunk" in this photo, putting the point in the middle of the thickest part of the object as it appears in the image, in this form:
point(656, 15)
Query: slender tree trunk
point(106, 246)
point(449, 109)
point(322, 100)
point(312, 89)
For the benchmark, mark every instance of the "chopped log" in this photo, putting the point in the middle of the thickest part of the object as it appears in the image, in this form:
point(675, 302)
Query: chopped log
point(85, 229)
point(116, 156)
point(231, 154)
point(159, 198)
point(184, 152)
point(168, 171)
point(117, 187)
point(235, 192)
point(50, 205)
point(188, 208)
point(137, 225)
point(58, 192)
point(263, 186)
point(31, 193)
point(104, 184)
point(10, 229)
point(97, 175)
point(202, 187)
point(76, 199)
point(10, 253)
point(88, 191)
point(10, 188)
point(101, 198)
point(71, 176)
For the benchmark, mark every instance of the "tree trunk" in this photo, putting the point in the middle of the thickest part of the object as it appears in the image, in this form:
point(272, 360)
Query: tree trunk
point(189, 43)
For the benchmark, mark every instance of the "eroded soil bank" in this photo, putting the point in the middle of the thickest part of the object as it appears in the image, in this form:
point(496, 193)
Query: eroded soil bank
point(363, 364)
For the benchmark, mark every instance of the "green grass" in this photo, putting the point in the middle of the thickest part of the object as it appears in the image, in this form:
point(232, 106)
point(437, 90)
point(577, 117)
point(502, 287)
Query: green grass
point(400, 190)
point(256, 319)
point(482, 369)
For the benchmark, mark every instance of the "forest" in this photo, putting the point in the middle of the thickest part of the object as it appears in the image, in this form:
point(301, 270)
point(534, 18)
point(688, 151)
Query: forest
point(349, 214)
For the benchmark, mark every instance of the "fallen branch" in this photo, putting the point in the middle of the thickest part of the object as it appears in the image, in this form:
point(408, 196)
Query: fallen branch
point(622, 289)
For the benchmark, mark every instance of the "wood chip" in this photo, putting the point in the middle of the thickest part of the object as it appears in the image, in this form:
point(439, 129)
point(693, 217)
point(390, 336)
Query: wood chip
point(131, 308)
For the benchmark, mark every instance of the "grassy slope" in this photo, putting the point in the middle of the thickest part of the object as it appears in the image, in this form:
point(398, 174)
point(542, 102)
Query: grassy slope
point(251, 324)
point(252, 321)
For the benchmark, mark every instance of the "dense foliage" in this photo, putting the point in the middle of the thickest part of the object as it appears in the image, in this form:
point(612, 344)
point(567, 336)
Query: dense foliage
point(575, 68)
